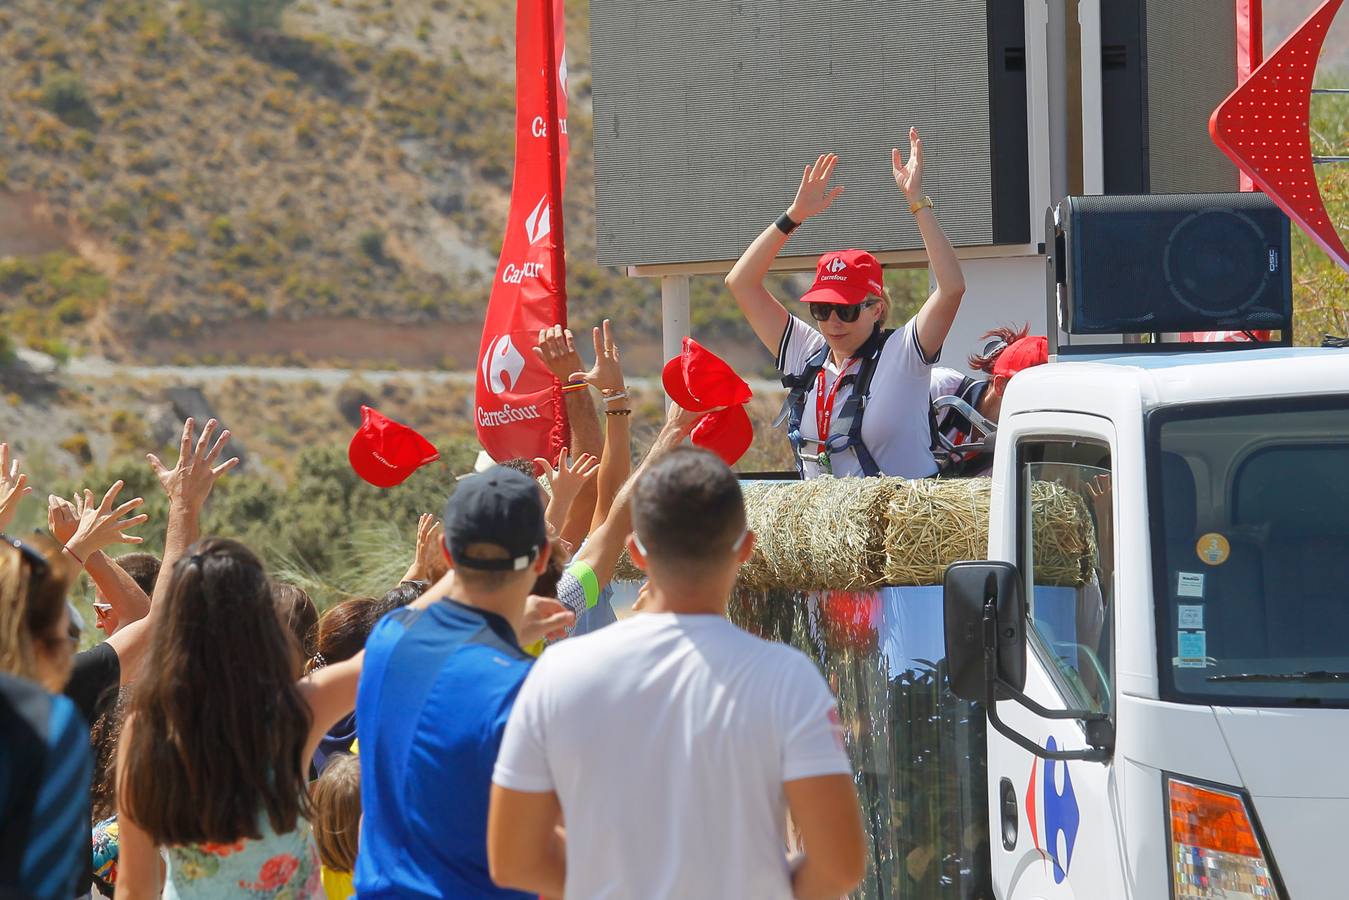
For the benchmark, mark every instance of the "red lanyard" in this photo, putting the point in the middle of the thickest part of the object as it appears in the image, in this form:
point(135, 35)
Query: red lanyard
point(824, 405)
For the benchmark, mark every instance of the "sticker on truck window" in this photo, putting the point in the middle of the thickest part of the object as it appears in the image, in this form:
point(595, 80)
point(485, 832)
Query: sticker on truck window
point(1191, 616)
point(1193, 647)
point(1213, 549)
point(1190, 584)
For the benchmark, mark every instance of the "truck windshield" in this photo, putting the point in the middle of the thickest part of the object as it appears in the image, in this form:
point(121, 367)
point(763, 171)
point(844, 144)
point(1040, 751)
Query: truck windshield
point(1250, 541)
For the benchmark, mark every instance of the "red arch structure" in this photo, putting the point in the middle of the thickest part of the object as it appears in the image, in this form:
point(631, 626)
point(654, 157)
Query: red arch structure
point(1265, 127)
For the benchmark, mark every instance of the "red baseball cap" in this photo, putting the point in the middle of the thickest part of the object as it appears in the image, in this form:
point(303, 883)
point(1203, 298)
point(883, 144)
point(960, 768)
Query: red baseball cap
point(726, 432)
point(1032, 350)
point(385, 452)
point(698, 379)
point(845, 277)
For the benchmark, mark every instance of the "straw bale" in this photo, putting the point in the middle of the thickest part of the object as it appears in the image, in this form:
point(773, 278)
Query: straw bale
point(851, 534)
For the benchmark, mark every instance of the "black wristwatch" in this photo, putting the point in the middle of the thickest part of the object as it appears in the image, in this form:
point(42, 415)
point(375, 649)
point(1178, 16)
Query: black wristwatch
point(786, 225)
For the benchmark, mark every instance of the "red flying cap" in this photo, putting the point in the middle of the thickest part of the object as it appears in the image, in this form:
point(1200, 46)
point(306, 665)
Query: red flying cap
point(1032, 350)
point(845, 277)
point(385, 452)
point(727, 433)
point(697, 379)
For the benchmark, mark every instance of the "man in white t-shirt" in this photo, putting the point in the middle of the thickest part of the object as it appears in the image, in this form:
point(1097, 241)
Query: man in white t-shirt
point(709, 736)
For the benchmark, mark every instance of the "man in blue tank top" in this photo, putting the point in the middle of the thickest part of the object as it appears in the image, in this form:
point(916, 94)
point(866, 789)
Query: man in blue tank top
point(439, 682)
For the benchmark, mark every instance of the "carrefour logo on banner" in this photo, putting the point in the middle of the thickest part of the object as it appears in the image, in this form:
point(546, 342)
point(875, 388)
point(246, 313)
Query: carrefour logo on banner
point(1052, 811)
point(539, 223)
point(502, 365)
point(562, 72)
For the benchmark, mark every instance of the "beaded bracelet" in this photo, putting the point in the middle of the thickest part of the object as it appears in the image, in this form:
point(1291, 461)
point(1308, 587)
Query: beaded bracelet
point(618, 412)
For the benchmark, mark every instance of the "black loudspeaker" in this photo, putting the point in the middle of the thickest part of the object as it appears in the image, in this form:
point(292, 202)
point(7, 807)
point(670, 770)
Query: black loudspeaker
point(1170, 262)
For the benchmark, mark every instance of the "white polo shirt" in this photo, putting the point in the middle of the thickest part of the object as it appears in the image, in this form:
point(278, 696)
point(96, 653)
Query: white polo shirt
point(895, 425)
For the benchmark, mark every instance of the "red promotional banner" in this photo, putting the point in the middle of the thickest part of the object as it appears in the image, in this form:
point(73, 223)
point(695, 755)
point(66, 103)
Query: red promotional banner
point(518, 403)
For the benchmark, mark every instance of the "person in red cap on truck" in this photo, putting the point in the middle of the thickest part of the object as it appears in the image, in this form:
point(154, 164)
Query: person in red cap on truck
point(1007, 351)
point(852, 365)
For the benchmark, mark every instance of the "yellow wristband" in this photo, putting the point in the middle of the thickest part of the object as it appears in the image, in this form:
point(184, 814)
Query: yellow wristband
point(919, 204)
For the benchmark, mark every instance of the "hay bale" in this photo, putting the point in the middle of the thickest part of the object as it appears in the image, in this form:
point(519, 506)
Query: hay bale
point(851, 534)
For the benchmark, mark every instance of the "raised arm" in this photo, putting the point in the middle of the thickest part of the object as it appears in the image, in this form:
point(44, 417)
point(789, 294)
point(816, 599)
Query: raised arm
point(429, 533)
point(565, 484)
point(124, 595)
point(606, 376)
point(331, 693)
point(939, 311)
point(13, 486)
point(557, 350)
point(764, 312)
point(188, 484)
point(605, 546)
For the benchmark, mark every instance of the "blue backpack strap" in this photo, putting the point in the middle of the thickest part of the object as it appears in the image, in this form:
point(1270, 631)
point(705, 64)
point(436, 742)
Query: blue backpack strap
point(793, 408)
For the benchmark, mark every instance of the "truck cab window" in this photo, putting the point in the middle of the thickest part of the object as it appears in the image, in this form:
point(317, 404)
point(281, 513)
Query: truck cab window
point(1250, 528)
point(1067, 553)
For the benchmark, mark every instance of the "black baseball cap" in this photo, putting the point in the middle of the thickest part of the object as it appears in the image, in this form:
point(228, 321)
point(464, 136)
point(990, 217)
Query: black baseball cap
point(502, 507)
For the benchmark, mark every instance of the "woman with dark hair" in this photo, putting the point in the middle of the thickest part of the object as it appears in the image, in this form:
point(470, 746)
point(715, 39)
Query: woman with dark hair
point(212, 765)
point(1006, 352)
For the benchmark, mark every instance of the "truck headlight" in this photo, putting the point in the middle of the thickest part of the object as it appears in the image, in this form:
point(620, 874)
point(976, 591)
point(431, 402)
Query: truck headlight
point(1215, 851)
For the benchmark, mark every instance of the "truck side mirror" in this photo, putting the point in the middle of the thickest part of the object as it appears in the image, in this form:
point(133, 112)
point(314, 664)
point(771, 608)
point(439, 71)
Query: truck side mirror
point(970, 590)
point(986, 655)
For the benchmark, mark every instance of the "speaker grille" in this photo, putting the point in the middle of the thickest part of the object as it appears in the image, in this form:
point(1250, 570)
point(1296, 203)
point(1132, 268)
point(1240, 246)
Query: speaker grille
point(1185, 262)
point(706, 110)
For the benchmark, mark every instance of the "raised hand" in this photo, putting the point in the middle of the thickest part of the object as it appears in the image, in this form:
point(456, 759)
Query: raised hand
point(545, 617)
point(909, 176)
point(566, 481)
point(189, 483)
point(63, 519)
point(557, 349)
point(13, 487)
point(428, 543)
point(814, 195)
point(102, 524)
point(606, 375)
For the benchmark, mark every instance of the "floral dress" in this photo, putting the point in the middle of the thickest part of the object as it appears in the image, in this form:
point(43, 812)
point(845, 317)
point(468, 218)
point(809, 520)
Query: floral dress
point(281, 866)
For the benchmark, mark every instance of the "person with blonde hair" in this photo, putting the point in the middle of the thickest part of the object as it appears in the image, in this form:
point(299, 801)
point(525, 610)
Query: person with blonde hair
point(336, 799)
point(851, 364)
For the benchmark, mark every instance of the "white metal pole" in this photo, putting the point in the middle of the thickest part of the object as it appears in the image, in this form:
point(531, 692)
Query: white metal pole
point(674, 310)
point(674, 313)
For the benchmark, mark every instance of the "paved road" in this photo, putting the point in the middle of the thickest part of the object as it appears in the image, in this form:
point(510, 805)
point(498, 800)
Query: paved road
point(97, 367)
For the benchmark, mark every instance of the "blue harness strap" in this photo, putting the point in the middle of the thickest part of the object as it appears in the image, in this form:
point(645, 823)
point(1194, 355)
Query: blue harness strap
point(847, 431)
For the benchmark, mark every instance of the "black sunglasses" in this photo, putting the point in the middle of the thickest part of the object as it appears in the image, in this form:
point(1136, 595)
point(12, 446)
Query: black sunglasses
point(820, 312)
point(37, 563)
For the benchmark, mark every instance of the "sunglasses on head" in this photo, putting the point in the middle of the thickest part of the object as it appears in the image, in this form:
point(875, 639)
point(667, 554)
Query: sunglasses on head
point(820, 312)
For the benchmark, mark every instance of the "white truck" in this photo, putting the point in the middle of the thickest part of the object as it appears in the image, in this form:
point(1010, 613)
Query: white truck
point(1176, 726)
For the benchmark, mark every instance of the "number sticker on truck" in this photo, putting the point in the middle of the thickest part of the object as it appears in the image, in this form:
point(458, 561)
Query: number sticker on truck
point(1213, 549)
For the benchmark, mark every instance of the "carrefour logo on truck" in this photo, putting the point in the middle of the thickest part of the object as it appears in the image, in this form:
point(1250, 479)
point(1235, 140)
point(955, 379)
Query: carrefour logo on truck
point(1052, 811)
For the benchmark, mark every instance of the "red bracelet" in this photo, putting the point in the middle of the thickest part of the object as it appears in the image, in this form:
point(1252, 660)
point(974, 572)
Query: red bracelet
point(73, 556)
point(575, 386)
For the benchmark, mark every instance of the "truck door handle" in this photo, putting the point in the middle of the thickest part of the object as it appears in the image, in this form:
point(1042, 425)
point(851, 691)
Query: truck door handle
point(1008, 804)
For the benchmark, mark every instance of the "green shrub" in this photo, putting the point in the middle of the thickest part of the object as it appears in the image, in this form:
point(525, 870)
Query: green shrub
point(247, 18)
point(64, 94)
point(372, 245)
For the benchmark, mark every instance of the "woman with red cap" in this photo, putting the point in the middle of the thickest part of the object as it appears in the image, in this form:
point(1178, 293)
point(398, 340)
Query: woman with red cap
point(851, 365)
point(1008, 350)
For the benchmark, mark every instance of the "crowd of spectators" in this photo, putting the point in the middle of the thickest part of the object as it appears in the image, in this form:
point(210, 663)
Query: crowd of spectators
point(226, 739)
